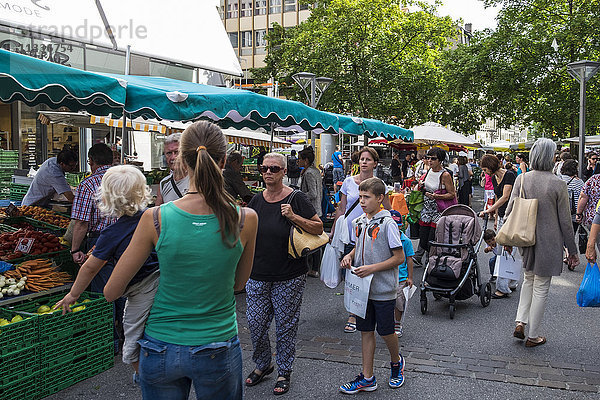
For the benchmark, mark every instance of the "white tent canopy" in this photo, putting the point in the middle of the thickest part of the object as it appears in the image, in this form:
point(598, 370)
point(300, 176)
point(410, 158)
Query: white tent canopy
point(499, 145)
point(434, 133)
point(188, 32)
point(589, 140)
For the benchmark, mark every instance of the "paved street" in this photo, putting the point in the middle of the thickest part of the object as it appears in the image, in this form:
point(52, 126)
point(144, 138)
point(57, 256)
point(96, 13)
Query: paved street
point(472, 356)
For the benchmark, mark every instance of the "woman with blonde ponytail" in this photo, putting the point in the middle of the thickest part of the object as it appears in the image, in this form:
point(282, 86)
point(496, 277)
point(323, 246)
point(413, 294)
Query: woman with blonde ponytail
point(205, 246)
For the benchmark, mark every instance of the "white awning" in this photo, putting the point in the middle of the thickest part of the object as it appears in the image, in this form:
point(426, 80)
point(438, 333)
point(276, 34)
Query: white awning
point(189, 32)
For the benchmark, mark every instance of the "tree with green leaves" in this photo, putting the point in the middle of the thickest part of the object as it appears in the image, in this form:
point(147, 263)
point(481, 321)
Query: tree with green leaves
point(518, 72)
point(384, 60)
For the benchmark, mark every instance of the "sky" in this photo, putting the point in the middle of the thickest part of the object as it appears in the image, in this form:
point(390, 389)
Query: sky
point(471, 11)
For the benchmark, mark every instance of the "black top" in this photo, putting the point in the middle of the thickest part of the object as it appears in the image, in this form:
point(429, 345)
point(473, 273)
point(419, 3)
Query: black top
point(113, 242)
point(508, 179)
point(234, 184)
point(395, 168)
point(405, 166)
point(271, 260)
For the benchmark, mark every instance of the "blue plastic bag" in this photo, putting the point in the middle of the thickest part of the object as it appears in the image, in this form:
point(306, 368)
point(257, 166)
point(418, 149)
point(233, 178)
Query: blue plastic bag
point(588, 294)
point(4, 266)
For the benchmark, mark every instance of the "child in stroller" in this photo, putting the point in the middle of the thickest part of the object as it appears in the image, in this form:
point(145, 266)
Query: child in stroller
point(452, 269)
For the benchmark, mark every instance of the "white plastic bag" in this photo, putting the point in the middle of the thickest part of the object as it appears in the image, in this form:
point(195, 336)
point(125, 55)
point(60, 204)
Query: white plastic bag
point(356, 293)
point(509, 265)
point(331, 274)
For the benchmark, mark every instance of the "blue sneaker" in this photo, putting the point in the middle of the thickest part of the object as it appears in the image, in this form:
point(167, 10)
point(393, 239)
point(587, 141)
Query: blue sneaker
point(397, 375)
point(360, 384)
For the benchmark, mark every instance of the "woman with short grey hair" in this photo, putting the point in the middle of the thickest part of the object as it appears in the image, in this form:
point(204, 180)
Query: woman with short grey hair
point(543, 260)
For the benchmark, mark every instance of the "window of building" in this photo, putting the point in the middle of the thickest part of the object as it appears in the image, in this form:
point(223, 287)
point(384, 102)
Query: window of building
point(246, 8)
point(222, 9)
point(260, 7)
point(246, 38)
point(233, 38)
point(232, 8)
point(302, 7)
point(289, 6)
point(260, 38)
point(274, 6)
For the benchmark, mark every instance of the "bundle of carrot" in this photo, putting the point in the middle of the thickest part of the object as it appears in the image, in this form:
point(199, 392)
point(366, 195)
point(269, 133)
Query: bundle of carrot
point(41, 275)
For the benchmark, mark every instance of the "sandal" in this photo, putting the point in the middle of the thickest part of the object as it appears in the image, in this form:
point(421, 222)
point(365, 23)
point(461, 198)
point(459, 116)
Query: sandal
point(282, 384)
point(255, 379)
point(350, 327)
point(535, 342)
point(500, 296)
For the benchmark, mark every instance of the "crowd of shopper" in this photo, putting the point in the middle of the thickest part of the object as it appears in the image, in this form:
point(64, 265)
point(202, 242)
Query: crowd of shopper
point(142, 258)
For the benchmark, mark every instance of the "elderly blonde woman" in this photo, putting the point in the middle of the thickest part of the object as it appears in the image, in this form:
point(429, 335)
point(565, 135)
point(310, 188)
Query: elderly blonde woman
point(543, 260)
point(277, 281)
point(124, 195)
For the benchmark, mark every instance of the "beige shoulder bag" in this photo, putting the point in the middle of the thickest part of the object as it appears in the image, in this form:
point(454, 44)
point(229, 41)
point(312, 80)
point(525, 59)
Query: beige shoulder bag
point(519, 228)
point(302, 243)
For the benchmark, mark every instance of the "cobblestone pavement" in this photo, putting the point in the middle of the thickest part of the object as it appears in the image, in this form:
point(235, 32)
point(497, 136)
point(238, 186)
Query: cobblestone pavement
point(471, 356)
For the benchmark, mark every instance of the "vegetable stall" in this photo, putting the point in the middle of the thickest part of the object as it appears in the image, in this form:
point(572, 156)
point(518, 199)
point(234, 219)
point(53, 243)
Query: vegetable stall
point(41, 350)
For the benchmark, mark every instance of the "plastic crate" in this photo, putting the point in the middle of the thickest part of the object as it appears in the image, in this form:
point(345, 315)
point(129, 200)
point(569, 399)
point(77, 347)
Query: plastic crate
point(82, 342)
point(19, 335)
point(98, 313)
point(38, 225)
point(7, 228)
point(26, 387)
point(61, 376)
point(19, 364)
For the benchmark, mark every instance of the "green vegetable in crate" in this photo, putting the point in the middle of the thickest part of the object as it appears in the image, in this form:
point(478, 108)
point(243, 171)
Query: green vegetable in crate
point(4, 322)
point(16, 318)
point(43, 309)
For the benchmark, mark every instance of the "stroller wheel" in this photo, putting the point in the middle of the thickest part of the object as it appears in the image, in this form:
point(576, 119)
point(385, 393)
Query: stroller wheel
point(485, 294)
point(452, 310)
point(423, 305)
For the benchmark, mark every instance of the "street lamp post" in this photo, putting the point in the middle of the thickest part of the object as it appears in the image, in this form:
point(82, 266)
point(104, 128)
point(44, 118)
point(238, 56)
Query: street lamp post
point(316, 86)
point(582, 71)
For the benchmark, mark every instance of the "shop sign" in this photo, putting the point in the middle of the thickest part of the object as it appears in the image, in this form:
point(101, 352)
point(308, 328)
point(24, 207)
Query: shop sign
point(54, 52)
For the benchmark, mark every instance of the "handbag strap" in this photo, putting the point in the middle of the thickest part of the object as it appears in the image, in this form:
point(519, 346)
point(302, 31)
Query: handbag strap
point(522, 184)
point(351, 208)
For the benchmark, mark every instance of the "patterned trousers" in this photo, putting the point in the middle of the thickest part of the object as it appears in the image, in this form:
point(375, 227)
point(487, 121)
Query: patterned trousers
point(282, 300)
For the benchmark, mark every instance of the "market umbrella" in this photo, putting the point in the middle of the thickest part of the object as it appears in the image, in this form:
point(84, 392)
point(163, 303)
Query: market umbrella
point(372, 127)
point(164, 98)
point(499, 145)
point(34, 81)
point(432, 133)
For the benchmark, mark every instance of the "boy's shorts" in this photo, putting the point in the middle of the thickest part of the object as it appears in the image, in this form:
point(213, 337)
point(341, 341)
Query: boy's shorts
point(380, 313)
point(400, 299)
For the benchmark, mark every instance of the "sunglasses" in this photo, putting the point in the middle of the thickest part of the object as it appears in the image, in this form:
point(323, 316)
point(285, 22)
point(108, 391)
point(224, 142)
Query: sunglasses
point(273, 168)
point(431, 158)
point(594, 158)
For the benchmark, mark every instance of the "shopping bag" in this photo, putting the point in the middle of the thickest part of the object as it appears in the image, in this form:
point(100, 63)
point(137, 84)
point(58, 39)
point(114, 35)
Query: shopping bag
point(356, 293)
point(331, 273)
point(588, 294)
point(509, 265)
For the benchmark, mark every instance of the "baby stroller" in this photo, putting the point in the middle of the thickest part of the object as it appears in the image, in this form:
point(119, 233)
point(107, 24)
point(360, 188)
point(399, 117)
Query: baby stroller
point(452, 269)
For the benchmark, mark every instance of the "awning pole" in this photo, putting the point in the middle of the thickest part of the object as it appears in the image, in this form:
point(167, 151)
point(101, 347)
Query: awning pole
point(124, 138)
point(272, 133)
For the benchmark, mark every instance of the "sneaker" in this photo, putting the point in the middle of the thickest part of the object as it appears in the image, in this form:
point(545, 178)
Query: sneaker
point(397, 375)
point(398, 329)
point(360, 384)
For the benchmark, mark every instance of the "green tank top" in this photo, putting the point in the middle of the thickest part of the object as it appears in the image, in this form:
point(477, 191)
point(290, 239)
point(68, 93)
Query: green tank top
point(194, 304)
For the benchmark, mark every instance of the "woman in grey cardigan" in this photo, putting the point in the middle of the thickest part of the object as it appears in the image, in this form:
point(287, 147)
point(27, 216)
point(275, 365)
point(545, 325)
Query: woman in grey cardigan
point(543, 260)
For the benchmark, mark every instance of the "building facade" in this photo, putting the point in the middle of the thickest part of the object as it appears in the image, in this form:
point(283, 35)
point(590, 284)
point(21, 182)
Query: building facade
point(248, 21)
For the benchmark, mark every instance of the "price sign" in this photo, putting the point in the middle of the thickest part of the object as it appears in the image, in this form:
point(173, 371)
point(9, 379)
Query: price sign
point(24, 245)
point(12, 210)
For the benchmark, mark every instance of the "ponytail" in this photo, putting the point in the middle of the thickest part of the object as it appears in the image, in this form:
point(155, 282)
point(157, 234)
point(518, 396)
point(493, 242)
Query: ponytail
point(203, 145)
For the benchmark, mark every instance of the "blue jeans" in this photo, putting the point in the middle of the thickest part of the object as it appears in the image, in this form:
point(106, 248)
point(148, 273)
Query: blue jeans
point(492, 264)
point(168, 370)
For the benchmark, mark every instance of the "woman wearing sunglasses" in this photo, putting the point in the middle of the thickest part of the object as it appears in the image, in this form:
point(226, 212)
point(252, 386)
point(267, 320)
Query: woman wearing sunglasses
point(436, 180)
point(277, 281)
